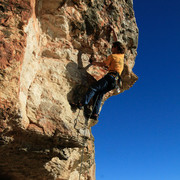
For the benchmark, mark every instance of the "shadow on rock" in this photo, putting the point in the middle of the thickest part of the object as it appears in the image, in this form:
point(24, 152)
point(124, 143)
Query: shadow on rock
point(79, 79)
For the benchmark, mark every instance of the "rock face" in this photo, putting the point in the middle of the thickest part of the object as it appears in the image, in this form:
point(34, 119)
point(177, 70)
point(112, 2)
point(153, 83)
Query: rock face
point(45, 46)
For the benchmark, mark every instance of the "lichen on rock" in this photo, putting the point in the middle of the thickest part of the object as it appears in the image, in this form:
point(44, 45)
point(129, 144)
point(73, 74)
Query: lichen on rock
point(45, 46)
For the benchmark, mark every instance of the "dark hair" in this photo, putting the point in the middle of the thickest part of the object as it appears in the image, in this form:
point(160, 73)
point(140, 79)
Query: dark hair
point(120, 47)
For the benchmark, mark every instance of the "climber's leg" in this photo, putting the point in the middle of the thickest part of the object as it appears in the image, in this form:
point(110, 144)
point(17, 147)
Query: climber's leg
point(97, 100)
point(99, 96)
point(95, 89)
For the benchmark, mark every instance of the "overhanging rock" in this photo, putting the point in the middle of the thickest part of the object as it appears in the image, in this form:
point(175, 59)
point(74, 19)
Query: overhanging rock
point(45, 47)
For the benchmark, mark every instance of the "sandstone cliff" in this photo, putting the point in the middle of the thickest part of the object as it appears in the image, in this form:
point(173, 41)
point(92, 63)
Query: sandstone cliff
point(45, 46)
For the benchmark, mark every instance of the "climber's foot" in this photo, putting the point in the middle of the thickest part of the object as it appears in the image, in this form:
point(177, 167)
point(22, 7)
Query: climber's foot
point(94, 116)
point(77, 105)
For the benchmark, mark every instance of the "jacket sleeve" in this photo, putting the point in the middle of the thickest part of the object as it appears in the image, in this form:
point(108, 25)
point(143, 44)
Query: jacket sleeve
point(108, 60)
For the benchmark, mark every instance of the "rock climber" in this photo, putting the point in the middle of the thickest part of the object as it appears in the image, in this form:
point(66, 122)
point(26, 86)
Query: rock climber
point(115, 64)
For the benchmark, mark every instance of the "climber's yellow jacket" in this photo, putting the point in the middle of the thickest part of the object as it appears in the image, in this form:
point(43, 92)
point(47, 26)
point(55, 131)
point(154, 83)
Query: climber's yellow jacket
point(115, 63)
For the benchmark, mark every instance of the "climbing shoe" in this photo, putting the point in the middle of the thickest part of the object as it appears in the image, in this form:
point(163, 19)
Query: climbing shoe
point(94, 116)
point(77, 105)
point(80, 105)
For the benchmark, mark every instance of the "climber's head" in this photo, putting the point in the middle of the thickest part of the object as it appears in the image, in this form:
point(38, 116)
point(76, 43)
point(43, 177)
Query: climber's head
point(118, 48)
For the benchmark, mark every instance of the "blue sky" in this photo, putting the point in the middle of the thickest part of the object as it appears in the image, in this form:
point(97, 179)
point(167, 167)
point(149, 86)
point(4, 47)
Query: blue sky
point(138, 134)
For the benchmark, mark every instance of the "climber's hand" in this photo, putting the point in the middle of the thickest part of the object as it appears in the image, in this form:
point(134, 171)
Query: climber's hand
point(112, 29)
point(93, 63)
point(110, 26)
point(92, 59)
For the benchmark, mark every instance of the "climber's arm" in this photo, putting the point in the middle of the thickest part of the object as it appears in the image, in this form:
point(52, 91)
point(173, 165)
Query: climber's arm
point(115, 38)
point(101, 64)
point(93, 61)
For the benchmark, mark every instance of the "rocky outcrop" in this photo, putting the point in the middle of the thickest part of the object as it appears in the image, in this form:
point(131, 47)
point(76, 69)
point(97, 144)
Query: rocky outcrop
point(45, 46)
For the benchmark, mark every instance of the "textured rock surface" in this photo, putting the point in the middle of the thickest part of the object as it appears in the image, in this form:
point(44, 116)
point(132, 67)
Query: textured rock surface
point(45, 46)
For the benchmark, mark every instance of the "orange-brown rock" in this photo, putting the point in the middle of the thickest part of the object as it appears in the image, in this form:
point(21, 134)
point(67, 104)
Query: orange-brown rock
point(45, 46)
